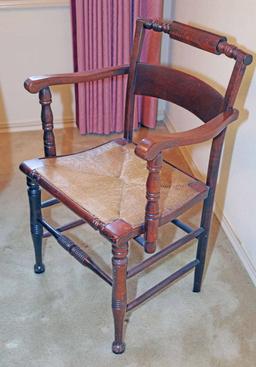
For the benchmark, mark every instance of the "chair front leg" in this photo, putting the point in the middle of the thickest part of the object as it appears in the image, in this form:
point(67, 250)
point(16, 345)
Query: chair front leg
point(119, 294)
point(36, 228)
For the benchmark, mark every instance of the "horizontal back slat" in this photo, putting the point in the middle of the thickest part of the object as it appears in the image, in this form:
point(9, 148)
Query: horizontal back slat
point(180, 88)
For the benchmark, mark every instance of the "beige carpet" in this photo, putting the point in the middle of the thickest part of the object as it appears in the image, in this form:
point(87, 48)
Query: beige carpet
point(63, 317)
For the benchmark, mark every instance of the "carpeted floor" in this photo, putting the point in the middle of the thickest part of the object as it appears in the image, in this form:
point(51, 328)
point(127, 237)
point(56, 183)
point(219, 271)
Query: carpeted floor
point(63, 317)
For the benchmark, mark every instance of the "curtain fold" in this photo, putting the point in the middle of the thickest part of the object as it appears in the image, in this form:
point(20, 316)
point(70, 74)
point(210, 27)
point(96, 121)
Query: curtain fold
point(102, 37)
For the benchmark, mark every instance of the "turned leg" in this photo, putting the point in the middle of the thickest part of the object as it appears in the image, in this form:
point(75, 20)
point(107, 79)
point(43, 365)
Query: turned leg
point(119, 294)
point(152, 210)
point(36, 228)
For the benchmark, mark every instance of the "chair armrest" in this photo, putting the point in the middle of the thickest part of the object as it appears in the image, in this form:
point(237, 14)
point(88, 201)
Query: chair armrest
point(35, 83)
point(148, 148)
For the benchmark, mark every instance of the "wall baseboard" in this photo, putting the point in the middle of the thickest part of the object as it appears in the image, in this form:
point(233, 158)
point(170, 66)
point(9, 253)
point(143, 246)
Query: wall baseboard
point(236, 243)
point(34, 125)
point(160, 115)
point(222, 219)
point(21, 4)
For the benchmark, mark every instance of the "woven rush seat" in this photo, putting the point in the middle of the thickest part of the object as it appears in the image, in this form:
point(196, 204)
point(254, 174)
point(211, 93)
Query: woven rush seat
point(109, 183)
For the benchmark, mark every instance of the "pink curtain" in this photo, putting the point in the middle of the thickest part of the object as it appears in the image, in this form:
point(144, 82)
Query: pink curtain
point(102, 37)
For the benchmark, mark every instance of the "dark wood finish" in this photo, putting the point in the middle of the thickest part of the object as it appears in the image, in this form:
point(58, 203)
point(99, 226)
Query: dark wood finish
point(76, 251)
point(36, 228)
point(164, 283)
point(150, 147)
point(45, 99)
point(130, 95)
point(87, 216)
point(140, 240)
point(166, 251)
point(50, 202)
point(193, 36)
point(215, 155)
point(119, 293)
point(35, 83)
point(180, 88)
point(66, 227)
point(117, 230)
point(185, 227)
point(152, 213)
point(234, 84)
point(211, 181)
point(215, 111)
point(234, 53)
point(199, 38)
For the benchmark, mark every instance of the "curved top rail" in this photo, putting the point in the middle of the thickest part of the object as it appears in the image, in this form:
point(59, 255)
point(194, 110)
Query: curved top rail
point(197, 37)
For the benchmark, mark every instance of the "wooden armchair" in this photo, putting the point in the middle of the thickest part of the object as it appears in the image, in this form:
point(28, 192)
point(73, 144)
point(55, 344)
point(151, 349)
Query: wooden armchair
point(127, 191)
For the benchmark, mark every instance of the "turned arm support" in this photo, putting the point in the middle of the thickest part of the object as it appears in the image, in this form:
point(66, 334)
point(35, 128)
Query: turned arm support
point(35, 83)
point(148, 148)
point(41, 84)
point(151, 149)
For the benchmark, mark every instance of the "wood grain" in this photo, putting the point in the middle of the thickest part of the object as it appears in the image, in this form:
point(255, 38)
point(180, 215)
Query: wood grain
point(150, 147)
point(35, 83)
point(187, 91)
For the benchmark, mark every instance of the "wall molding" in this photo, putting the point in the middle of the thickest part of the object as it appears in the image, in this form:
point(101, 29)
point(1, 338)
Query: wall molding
point(59, 123)
point(160, 114)
point(222, 219)
point(20, 4)
point(236, 243)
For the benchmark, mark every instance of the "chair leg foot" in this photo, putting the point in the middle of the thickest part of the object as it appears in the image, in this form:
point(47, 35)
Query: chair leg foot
point(196, 289)
point(118, 348)
point(199, 270)
point(198, 277)
point(36, 228)
point(119, 294)
point(39, 268)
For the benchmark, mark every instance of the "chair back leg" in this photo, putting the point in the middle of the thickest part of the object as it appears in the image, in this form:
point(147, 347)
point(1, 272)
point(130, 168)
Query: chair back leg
point(119, 294)
point(212, 175)
point(202, 245)
point(36, 228)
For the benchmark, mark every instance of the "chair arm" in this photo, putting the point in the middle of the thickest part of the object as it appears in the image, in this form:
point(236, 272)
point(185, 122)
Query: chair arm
point(35, 83)
point(148, 148)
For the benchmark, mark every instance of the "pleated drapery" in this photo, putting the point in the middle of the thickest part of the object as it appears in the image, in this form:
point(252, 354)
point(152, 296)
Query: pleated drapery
point(102, 37)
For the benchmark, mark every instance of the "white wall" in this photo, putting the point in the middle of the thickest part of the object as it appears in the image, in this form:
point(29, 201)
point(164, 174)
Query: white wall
point(167, 9)
point(35, 39)
point(236, 190)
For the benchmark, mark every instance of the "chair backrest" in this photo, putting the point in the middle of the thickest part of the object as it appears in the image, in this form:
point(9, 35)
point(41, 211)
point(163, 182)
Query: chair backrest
point(186, 91)
point(175, 86)
point(180, 88)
